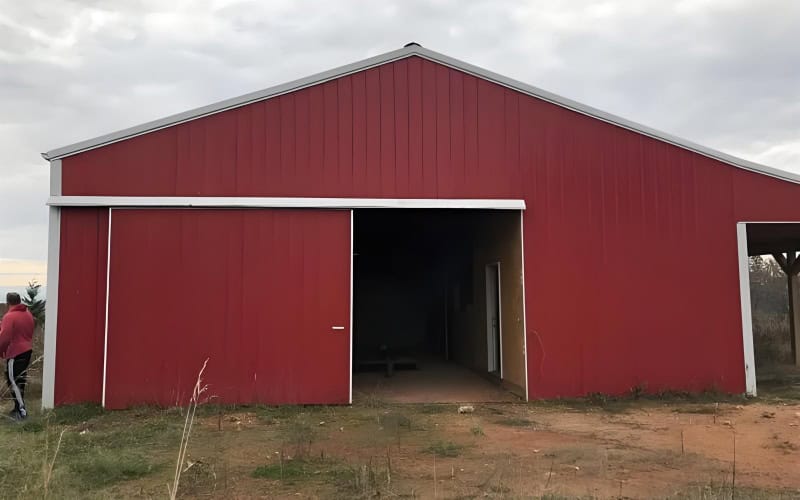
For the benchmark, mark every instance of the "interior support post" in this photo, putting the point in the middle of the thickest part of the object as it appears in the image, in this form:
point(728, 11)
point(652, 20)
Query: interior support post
point(794, 314)
point(790, 265)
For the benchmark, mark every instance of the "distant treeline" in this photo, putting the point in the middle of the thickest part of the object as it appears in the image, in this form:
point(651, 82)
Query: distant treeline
point(770, 302)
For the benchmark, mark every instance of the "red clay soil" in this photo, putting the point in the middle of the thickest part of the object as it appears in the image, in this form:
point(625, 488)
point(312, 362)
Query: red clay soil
point(648, 450)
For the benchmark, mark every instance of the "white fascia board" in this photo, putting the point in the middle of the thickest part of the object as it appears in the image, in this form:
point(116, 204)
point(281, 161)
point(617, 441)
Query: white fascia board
point(253, 202)
point(415, 50)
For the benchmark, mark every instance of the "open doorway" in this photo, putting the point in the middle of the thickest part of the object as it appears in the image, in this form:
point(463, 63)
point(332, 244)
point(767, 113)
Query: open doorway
point(772, 306)
point(438, 305)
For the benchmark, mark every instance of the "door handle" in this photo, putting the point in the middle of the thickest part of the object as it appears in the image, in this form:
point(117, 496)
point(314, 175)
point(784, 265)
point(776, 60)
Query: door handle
point(337, 328)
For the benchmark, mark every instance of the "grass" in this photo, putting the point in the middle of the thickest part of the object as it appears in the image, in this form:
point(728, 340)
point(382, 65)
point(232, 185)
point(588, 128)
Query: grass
point(299, 435)
point(515, 422)
point(276, 414)
point(394, 420)
point(98, 450)
point(112, 433)
point(723, 491)
point(78, 466)
point(435, 408)
point(30, 426)
point(635, 399)
point(73, 414)
point(357, 453)
point(334, 476)
point(698, 409)
point(779, 389)
point(106, 468)
point(299, 469)
point(444, 449)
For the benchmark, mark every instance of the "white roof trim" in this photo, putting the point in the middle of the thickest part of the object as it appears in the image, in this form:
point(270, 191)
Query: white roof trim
point(415, 50)
point(255, 202)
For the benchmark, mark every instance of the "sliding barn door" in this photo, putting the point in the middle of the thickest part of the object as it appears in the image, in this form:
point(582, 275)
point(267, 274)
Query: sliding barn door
point(263, 295)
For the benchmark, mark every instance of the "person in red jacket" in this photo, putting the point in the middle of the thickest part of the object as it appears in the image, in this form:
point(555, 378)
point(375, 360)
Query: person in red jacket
point(16, 335)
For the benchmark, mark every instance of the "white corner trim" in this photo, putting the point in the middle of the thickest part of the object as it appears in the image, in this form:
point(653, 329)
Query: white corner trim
point(255, 202)
point(108, 292)
point(55, 178)
point(524, 303)
point(747, 317)
point(51, 322)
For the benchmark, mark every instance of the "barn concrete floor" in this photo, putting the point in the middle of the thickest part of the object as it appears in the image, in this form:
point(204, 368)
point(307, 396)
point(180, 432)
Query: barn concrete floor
point(433, 382)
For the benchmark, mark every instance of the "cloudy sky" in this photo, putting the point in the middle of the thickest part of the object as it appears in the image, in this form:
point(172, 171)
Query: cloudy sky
point(724, 73)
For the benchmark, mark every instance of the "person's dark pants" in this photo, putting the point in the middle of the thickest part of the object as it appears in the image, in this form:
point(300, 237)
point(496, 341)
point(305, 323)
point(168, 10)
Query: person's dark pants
point(17, 378)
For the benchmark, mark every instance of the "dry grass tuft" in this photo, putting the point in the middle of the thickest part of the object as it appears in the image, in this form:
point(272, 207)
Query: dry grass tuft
point(199, 390)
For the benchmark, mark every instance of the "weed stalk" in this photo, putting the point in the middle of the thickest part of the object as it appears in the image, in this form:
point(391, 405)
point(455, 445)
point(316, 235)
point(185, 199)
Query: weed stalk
point(198, 390)
point(388, 468)
point(49, 468)
point(434, 477)
point(549, 474)
point(733, 478)
point(683, 448)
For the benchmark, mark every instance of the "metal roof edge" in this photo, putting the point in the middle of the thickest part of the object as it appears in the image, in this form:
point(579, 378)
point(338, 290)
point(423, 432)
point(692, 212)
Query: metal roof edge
point(431, 55)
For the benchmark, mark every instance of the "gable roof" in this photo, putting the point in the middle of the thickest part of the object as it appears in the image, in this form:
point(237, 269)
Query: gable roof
point(409, 50)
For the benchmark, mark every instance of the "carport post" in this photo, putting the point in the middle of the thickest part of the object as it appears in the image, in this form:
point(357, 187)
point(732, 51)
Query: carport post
point(791, 266)
point(794, 287)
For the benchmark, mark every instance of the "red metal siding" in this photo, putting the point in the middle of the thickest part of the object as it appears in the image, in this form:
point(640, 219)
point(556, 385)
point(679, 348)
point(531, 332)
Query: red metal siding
point(82, 305)
point(630, 243)
point(254, 291)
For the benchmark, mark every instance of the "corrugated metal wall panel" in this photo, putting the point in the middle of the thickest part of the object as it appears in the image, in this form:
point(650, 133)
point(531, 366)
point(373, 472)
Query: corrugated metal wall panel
point(254, 291)
point(82, 303)
point(630, 242)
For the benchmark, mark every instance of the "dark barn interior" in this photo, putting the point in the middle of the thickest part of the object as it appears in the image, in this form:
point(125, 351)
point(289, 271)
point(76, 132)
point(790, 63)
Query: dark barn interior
point(420, 304)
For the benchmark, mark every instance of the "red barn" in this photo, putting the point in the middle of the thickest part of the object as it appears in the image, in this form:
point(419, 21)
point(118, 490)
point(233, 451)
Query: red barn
point(408, 209)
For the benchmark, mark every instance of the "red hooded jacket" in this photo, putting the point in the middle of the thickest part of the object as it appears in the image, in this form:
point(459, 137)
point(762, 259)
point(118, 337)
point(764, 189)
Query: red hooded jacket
point(16, 332)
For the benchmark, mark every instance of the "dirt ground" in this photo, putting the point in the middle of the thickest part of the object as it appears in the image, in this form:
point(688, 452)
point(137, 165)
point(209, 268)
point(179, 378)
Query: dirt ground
point(587, 449)
point(518, 450)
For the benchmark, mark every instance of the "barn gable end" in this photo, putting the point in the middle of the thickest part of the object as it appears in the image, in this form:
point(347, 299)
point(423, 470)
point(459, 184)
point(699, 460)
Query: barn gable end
point(630, 239)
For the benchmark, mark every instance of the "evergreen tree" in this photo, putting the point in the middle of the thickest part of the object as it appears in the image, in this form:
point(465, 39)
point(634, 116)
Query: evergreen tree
point(35, 303)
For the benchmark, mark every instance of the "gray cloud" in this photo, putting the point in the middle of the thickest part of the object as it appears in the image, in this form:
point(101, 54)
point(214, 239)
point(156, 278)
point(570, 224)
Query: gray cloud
point(720, 72)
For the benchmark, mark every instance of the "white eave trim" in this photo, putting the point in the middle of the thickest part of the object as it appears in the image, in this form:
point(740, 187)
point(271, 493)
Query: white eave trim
point(254, 202)
point(415, 50)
